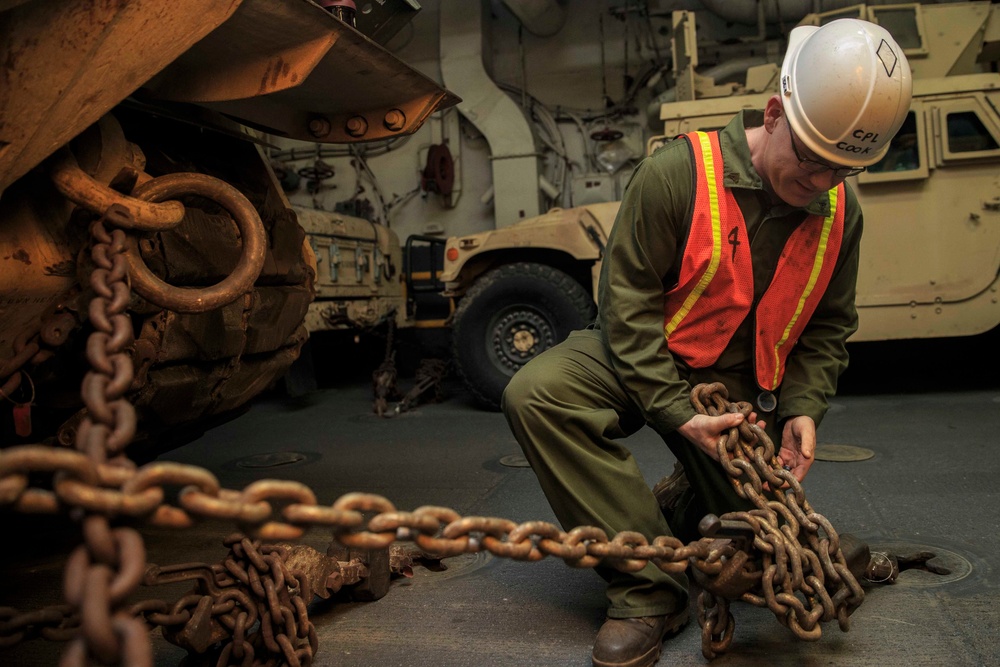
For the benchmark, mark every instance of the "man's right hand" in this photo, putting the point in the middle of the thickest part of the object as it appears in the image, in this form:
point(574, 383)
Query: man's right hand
point(705, 431)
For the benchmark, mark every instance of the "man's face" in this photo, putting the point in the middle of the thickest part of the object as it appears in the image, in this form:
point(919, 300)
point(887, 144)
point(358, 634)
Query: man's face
point(798, 176)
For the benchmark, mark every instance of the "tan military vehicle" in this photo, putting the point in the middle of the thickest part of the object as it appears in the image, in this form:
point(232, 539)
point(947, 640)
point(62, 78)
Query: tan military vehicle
point(145, 104)
point(931, 247)
point(358, 272)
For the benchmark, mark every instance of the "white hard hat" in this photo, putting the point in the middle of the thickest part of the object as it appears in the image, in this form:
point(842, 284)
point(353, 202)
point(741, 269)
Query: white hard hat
point(846, 89)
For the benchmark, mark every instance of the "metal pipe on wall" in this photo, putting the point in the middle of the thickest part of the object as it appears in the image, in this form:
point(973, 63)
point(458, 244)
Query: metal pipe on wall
point(513, 154)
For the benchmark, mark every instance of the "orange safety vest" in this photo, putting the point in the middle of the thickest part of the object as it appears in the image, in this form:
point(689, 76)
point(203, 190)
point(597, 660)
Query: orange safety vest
point(714, 291)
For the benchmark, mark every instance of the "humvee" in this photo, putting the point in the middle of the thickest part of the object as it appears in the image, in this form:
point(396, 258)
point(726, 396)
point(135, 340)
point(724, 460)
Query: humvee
point(930, 261)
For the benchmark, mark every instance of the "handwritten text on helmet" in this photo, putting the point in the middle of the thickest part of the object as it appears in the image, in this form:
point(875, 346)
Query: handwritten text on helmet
point(862, 137)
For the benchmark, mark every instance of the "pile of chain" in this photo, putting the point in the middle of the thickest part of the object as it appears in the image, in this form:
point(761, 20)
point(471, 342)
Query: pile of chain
point(252, 605)
point(802, 575)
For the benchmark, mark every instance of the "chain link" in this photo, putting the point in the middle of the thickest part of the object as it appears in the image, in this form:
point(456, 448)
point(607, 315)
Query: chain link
point(103, 571)
point(170, 188)
point(82, 189)
point(56, 623)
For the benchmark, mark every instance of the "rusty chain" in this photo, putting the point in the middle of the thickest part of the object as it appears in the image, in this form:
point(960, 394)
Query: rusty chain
point(717, 564)
point(802, 577)
point(429, 375)
point(108, 567)
point(56, 623)
point(171, 187)
point(384, 378)
point(253, 604)
point(82, 189)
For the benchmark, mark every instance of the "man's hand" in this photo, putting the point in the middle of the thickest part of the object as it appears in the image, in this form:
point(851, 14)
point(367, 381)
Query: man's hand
point(798, 444)
point(705, 431)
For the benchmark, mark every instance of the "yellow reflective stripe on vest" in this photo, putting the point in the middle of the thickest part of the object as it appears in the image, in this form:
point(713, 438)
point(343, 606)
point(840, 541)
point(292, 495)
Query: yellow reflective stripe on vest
point(713, 201)
point(813, 277)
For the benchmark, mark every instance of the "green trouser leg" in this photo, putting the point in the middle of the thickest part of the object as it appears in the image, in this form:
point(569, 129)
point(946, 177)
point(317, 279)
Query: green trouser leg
point(567, 409)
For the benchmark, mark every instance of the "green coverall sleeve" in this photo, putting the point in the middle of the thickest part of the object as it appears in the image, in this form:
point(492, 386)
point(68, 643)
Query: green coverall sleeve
point(642, 249)
point(820, 355)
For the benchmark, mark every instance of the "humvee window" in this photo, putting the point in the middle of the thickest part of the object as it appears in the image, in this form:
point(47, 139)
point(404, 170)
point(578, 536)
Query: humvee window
point(967, 134)
point(904, 151)
point(904, 26)
point(846, 13)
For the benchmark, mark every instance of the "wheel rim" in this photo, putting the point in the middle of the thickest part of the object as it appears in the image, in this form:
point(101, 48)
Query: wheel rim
point(518, 334)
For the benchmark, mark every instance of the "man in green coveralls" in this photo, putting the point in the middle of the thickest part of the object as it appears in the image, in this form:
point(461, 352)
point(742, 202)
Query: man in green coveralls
point(845, 91)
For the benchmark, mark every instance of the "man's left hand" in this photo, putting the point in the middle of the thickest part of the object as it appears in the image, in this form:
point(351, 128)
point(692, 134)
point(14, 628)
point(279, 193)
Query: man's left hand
point(798, 444)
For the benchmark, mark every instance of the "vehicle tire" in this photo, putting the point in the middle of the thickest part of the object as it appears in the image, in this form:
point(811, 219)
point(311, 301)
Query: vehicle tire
point(508, 317)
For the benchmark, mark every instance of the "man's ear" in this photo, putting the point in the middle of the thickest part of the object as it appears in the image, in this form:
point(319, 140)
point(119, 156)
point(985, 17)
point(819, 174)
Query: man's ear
point(773, 112)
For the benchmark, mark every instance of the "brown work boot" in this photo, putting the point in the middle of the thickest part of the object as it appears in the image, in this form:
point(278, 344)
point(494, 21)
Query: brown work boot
point(669, 489)
point(635, 642)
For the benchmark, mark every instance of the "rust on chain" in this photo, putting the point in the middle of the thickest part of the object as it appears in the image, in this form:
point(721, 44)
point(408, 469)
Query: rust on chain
point(248, 268)
point(55, 623)
point(442, 530)
point(108, 567)
point(279, 595)
point(802, 574)
point(81, 189)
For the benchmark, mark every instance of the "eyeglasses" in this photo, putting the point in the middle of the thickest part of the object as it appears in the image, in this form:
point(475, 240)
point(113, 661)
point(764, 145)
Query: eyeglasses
point(817, 167)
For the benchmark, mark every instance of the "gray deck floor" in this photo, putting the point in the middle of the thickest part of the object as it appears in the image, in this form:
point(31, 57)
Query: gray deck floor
point(932, 484)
